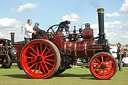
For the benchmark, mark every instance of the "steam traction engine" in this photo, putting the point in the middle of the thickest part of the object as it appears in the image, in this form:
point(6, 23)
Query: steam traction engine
point(54, 52)
point(7, 53)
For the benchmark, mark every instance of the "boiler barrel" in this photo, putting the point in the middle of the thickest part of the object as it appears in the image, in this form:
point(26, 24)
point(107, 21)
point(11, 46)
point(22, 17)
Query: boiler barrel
point(80, 49)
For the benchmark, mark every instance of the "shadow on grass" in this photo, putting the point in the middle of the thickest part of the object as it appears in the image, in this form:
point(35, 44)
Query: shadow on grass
point(81, 76)
point(22, 76)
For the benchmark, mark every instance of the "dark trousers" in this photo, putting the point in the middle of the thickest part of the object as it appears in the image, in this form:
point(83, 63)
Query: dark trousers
point(125, 65)
point(118, 57)
point(27, 40)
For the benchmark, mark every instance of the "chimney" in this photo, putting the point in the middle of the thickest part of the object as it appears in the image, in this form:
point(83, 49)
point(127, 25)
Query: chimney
point(101, 23)
point(12, 37)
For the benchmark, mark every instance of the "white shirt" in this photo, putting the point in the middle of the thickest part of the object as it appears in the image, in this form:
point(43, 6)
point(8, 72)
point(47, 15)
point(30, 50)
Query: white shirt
point(27, 34)
point(125, 59)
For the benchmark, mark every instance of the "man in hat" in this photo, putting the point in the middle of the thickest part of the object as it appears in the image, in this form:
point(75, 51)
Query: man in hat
point(36, 27)
point(38, 31)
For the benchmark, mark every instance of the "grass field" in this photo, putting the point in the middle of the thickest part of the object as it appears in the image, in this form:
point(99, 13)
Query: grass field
point(79, 76)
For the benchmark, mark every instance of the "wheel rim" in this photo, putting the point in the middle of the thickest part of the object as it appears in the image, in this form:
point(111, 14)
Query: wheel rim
point(103, 66)
point(38, 59)
point(6, 61)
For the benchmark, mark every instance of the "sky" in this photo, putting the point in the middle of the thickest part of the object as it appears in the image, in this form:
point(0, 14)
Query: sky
point(14, 15)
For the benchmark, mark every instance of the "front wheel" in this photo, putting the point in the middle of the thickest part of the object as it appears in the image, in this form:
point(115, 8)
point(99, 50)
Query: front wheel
point(103, 65)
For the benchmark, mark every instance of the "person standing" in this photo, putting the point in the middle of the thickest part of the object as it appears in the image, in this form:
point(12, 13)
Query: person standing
point(74, 62)
point(28, 31)
point(119, 49)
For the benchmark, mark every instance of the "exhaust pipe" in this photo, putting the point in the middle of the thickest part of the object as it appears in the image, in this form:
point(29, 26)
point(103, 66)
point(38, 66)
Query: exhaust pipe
point(12, 37)
point(101, 23)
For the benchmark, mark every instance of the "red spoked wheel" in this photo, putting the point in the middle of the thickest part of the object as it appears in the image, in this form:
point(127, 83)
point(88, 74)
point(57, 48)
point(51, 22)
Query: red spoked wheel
point(103, 65)
point(40, 59)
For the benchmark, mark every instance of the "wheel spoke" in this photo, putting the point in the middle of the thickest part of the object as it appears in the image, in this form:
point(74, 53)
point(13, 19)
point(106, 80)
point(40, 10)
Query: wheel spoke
point(36, 68)
point(44, 50)
point(53, 31)
point(102, 58)
point(96, 64)
point(97, 60)
point(48, 51)
point(29, 57)
point(99, 71)
point(43, 69)
point(30, 62)
point(50, 60)
point(46, 67)
point(49, 55)
point(110, 68)
point(109, 63)
point(33, 50)
point(106, 60)
point(108, 71)
point(32, 54)
point(37, 49)
point(103, 73)
point(48, 63)
point(39, 70)
point(95, 69)
point(32, 65)
point(40, 47)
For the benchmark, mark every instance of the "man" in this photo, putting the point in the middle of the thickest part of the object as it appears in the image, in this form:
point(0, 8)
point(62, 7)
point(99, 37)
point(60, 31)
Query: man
point(39, 32)
point(118, 55)
point(28, 31)
point(125, 58)
point(36, 27)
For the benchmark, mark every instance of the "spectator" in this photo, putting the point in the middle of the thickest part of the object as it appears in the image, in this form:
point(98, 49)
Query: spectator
point(74, 62)
point(118, 55)
point(125, 58)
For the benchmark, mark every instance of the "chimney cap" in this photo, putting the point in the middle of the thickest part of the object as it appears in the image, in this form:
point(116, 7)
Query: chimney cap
point(12, 33)
point(100, 10)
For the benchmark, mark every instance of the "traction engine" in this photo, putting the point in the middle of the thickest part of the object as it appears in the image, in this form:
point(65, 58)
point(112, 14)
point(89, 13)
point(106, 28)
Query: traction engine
point(54, 52)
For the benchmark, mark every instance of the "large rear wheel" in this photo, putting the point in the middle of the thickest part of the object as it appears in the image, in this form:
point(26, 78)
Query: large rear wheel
point(40, 59)
point(103, 65)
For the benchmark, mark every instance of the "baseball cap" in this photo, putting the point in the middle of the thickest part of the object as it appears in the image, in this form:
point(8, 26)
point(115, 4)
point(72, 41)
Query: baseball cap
point(37, 23)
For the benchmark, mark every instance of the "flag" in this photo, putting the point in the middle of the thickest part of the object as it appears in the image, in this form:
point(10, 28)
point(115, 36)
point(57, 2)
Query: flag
point(21, 28)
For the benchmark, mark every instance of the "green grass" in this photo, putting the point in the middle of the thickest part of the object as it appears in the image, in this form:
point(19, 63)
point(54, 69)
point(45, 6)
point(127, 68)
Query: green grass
point(79, 76)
